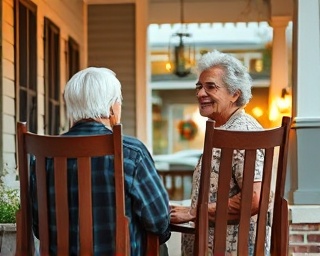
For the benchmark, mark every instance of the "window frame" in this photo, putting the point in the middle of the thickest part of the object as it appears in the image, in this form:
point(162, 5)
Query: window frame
point(52, 97)
point(26, 73)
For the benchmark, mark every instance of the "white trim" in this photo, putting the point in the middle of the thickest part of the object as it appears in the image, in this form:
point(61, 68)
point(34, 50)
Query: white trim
point(305, 213)
point(143, 94)
point(306, 121)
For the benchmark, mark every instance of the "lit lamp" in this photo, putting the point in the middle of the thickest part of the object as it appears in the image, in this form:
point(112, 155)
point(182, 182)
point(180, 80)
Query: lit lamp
point(284, 103)
point(181, 50)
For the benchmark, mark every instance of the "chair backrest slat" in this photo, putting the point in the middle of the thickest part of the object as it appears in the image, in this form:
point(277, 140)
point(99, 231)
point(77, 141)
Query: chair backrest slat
point(253, 144)
point(245, 207)
point(61, 183)
point(222, 197)
point(42, 205)
point(85, 206)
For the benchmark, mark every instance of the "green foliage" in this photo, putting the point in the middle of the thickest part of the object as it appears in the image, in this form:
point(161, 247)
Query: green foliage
point(9, 204)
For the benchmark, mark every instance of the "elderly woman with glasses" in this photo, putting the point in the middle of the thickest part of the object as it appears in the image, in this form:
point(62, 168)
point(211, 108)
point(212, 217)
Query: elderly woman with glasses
point(222, 90)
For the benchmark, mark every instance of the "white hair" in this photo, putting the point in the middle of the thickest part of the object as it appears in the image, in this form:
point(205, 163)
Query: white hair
point(91, 92)
point(236, 76)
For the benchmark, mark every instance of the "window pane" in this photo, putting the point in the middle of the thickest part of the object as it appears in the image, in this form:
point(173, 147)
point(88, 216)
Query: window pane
point(55, 118)
point(26, 63)
point(32, 52)
point(32, 107)
point(23, 45)
point(52, 77)
point(22, 106)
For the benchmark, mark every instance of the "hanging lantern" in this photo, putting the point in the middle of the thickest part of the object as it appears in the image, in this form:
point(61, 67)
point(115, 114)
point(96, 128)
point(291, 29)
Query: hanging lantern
point(181, 53)
point(181, 50)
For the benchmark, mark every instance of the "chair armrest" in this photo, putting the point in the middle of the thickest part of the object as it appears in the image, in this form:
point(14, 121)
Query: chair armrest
point(189, 227)
point(230, 222)
point(183, 228)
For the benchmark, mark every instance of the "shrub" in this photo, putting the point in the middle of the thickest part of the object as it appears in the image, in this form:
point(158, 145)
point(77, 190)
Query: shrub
point(9, 204)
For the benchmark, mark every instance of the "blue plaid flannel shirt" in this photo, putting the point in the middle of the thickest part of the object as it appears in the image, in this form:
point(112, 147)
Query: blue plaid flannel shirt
point(147, 203)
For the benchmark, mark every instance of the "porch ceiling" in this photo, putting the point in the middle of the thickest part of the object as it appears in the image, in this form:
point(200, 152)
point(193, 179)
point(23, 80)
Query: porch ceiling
point(210, 11)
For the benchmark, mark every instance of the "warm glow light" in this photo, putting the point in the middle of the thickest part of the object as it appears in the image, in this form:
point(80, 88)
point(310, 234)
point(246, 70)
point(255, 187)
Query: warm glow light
point(284, 104)
point(168, 66)
point(257, 112)
point(274, 112)
point(280, 105)
point(258, 65)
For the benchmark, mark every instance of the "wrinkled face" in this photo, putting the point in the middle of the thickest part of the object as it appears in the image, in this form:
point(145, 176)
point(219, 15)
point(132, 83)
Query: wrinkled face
point(214, 100)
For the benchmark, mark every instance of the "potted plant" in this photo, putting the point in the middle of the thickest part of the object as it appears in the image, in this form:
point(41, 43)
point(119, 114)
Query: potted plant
point(9, 204)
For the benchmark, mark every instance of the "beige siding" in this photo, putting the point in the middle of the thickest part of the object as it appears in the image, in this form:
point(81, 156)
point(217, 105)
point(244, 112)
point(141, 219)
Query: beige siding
point(69, 17)
point(7, 157)
point(8, 124)
point(111, 43)
point(8, 32)
point(8, 87)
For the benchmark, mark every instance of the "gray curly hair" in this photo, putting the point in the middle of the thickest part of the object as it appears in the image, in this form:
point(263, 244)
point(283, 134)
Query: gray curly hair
point(236, 76)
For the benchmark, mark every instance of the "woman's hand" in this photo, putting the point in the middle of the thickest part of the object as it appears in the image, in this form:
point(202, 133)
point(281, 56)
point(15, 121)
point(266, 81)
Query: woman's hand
point(181, 214)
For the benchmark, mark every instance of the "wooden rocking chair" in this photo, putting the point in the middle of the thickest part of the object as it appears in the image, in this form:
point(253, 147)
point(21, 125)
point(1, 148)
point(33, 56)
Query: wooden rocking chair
point(250, 142)
point(60, 148)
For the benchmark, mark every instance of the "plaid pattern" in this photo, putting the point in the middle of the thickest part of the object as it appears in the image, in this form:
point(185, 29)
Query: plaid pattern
point(147, 203)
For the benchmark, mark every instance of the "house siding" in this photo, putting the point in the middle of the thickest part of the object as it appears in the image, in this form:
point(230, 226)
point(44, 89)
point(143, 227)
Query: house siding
point(111, 44)
point(69, 16)
point(7, 158)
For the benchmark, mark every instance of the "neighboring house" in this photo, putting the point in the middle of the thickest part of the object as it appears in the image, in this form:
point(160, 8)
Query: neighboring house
point(43, 42)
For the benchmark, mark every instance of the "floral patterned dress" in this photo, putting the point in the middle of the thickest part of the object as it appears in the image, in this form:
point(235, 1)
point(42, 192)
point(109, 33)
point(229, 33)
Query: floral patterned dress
point(238, 121)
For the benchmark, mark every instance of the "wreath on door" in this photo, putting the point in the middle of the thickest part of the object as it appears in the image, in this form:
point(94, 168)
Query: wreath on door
point(187, 129)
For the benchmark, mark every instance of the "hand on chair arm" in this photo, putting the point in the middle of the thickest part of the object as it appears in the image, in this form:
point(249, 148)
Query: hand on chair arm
point(181, 214)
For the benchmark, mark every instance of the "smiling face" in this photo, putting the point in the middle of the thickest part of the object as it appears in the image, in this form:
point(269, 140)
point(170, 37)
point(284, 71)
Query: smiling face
point(215, 101)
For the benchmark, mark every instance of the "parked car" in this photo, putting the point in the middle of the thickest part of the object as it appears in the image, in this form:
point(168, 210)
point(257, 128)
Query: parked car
point(176, 171)
point(185, 159)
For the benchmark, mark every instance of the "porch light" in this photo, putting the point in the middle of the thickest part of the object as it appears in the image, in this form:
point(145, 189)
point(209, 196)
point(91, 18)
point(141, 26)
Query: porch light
point(181, 50)
point(284, 102)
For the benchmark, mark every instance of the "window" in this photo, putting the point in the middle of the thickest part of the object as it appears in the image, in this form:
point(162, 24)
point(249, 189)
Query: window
point(52, 77)
point(26, 62)
point(73, 58)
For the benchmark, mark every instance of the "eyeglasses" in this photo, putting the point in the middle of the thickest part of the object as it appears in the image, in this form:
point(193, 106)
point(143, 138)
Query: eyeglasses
point(208, 87)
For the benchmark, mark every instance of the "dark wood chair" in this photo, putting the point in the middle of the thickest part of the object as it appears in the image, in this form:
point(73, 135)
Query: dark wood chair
point(60, 148)
point(274, 142)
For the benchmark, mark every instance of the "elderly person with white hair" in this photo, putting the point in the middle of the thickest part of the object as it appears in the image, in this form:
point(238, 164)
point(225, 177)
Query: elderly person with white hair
point(93, 101)
point(222, 90)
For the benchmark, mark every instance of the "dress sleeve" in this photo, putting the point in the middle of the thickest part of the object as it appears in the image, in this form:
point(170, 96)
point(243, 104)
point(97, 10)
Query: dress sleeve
point(238, 163)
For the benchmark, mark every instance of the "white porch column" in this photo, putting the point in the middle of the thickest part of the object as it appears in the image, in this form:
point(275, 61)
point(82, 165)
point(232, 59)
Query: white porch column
point(279, 67)
point(143, 93)
point(305, 171)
